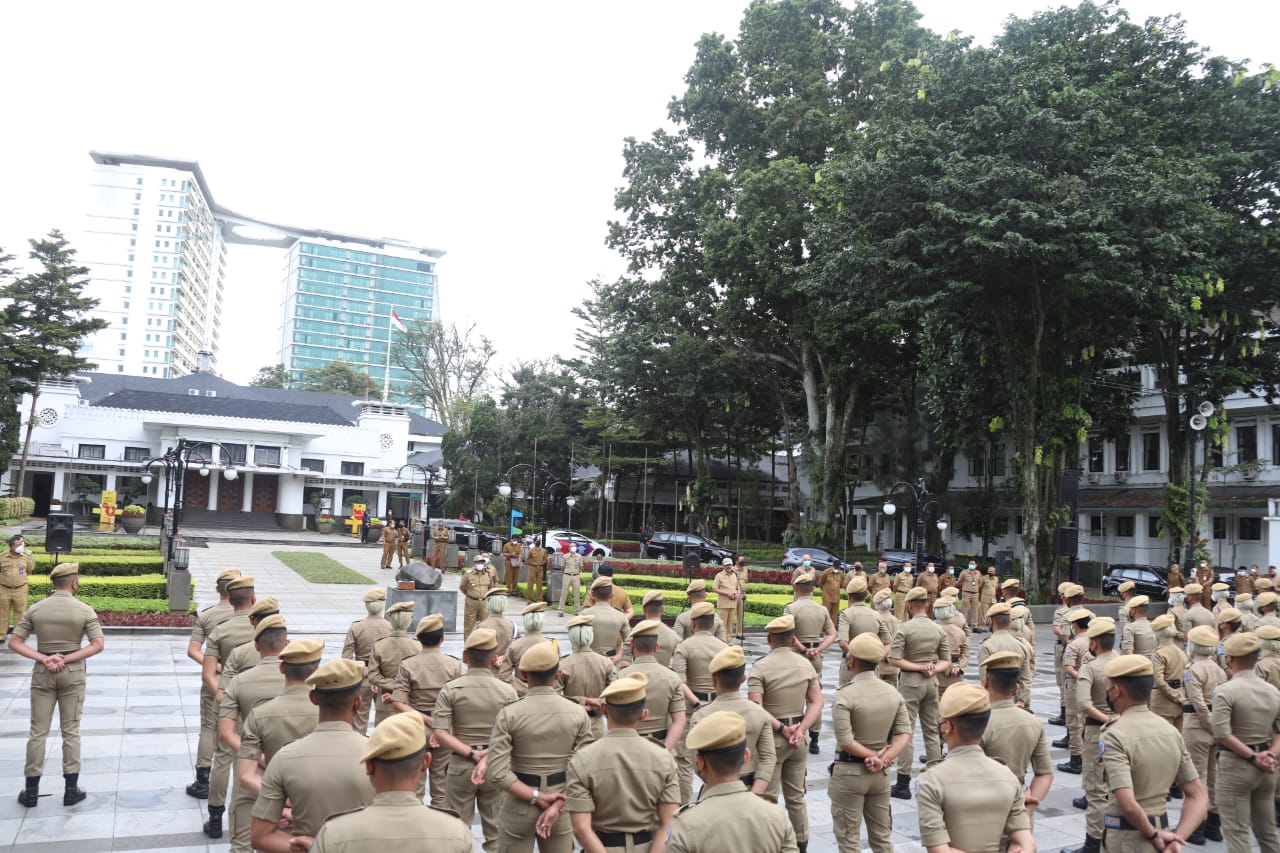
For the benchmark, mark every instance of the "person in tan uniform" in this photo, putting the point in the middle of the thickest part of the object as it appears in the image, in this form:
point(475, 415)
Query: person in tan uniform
point(727, 816)
point(728, 671)
point(970, 583)
point(394, 759)
point(465, 712)
point(692, 665)
point(570, 578)
point(944, 612)
point(830, 582)
point(201, 627)
point(948, 579)
point(1138, 637)
point(533, 617)
point(58, 677)
point(815, 633)
point(16, 566)
point(495, 603)
point(785, 685)
point(440, 545)
point(1199, 682)
point(1014, 736)
point(729, 590)
point(1246, 724)
point(929, 582)
point(652, 608)
point(403, 537)
point(872, 727)
point(389, 540)
point(879, 580)
point(529, 751)
point(1248, 616)
point(1204, 574)
point(1266, 603)
point(970, 802)
point(387, 655)
point(1177, 608)
point(665, 721)
point(1067, 594)
point(883, 605)
point(610, 628)
point(1268, 668)
point(1091, 695)
point(1197, 614)
point(537, 563)
point(987, 595)
point(902, 584)
point(359, 642)
point(696, 592)
point(1174, 576)
point(418, 683)
point(511, 553)
point(999, 623)
point(919, 649)
point(320, 773)
point(1168, 663)
point(855, 620)
point(1074, 657)
point(584, 674)
point(744, 576)
point(474, 586)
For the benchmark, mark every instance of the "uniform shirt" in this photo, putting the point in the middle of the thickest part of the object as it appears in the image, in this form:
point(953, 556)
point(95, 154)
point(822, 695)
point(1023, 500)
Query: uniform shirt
point(420, 677)
point(1179, 613)
point(684, 626)
point(244, 656)
point(610, 629)
point(1175, 578)
point(537, 557)
point(1196, 616)
point(970, 801)
point(662, 695)
point(729, 817)
point(440, 533)
point(1138, 638)
point(231, 632)
point(619, 601)
point(1247, 707)
point(830, 582)
point(1005, 641)
point(572, 563)
point(208, 619)
point(667, 642)
point(782, 679)
point(620, 779)
point(1199, 682)
point(1268, 670)
point(362, 636)
point(511, 552)
point(503, 627)
point(959, 645)
point(1142, 753)
point(467, 706)
point(388, 654)
point(1091, 686)
point(1076, 654)
point(858, 619)
point(251, 688)
point(903, 583)
point(511, 660)
point(877, 581)
point(278, 722)
point(16, 569)
point(920, 640)
point(585, 675)
point(1244, 584)
point(476, 583)
point(869, 711)
point(320, 774)
point(928, 581)
point(889, 627)
point(536, 735)
point(726, 581)
point(1169, 662)
point(988, 589)
point(812, 619)
point(692, 661)
point(1016, 737)
point(395, 820)
point(1269, 618)
point(764, 756)
point(59, 622)
point(971, 581)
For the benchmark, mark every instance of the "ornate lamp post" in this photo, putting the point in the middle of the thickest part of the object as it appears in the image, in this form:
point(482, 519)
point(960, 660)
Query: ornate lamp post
point(923, 503)
point(1197, 422)
point(429, 473)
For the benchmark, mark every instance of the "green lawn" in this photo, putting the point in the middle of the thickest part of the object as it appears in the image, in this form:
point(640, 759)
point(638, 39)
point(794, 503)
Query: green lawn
point(318, 568)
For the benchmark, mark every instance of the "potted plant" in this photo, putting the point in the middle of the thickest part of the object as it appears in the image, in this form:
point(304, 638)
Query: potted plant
point(324, 522)
point(132, 518)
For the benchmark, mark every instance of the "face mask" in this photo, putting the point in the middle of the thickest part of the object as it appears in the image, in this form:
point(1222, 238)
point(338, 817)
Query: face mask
point(931, 569)
point(808, 562)
point(973, 566)
point(951, 571)
point(881, 569)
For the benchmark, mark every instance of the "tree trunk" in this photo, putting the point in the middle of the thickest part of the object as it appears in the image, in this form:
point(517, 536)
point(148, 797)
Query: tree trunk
point(26, 440)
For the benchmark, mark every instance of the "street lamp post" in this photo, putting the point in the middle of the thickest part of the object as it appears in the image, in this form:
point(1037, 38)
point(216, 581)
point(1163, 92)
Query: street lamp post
point(1197, 422)
point(428, 473)
point(569, 502)
point(176, 460)
point(504, 489)
point(610, 492)
point(923, 502)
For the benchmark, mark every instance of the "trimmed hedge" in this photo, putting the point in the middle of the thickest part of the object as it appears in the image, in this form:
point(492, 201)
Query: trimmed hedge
point(108, 604)
point(16, 507)
point(103, 542)
point(106, 565)
point(662, 569)
point(148, 586)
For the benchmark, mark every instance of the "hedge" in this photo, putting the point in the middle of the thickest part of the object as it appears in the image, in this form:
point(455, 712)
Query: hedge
point(103, 541)
point(106, 565)
point(138, 586)
point(761, 605)
point(651, 582)
point(16, 507)
point(109, 604)
point(708, 573)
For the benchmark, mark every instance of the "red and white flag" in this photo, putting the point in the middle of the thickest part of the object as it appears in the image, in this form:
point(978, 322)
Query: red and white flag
point(397, 322)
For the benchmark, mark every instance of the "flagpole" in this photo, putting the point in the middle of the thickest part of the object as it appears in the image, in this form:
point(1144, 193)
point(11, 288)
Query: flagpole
point(386, 376)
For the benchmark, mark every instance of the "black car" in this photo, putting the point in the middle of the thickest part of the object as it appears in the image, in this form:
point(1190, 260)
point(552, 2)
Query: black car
point(821, 559)
point(896, 558)
point(1150, 581)
point(671, 545)
point(460, 533)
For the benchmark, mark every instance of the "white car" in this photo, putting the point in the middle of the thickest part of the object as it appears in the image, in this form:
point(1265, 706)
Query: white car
point(583, 544)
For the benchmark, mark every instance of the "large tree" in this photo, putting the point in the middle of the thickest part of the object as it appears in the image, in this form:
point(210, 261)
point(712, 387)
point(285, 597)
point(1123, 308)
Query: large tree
point(448, 366)
point(272, 376)
point(337, 377)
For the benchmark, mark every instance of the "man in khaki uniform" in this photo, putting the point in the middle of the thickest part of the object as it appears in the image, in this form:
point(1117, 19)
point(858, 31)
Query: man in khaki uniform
point(919, 649)
point(664, 723)
point(1091, 695)
point(744, 576)
point(952, 672)
point(511, 553)
point(1127, 591)
point(1199, 683)
point(970, 582)
point(692, 665)
point(728, 671)
point(928, 581)
point(1197, 614)
point(537, 563)
point(533, 617)
point(1138, 637)
point(729, 590)
point(395, 759)
point(1204, 574)
point(570, 578)
point(529, 751)
point(999, 621)
point(58, 677)
point(880, 580)
point(387, 655)
point(970, 801)
point(418, 684)
point(16, 566)
point(1267, 602)
point(882, 603)
point(696, 592)
point(320, 773)
point(830, 581)
point(624, 810)
point(439, 545)
point(1074, 657)
point(727, 817)
point(1015, 736)
point(902, 584)
point(495, 603)
point(1246, 724)
point(1175, 576)
point(389, 539)
point(858, 619)
point(1010, 588)
point(1268, 667)
point(815, 633)
point(474, 586)
point(1168, 663)
point(609, 627)
point(872, 727)
point(465, 711)
point(1061, 636)
point(585, 674)
point(360, 640)
point(785, 685)
point(652, 608)
point(201, 627)
point(245, 655)
point(987, 594)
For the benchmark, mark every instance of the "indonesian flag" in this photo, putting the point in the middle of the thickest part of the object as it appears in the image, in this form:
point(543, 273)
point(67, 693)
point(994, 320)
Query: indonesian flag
point(397, 322)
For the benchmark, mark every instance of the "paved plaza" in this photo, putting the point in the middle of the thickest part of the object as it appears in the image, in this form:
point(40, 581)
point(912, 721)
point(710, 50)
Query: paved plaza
point(141, 722)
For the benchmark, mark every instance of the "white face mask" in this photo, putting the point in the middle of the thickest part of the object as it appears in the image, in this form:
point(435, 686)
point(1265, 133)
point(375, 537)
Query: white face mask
point(881, 569)
point(973, 566)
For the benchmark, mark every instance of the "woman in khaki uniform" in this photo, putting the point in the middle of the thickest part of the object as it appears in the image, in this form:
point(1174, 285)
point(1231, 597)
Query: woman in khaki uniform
point(1202, 678)
point(944, 611)
point(585, 674)
point(883, 603)
point(388, 653)
point(418, 684)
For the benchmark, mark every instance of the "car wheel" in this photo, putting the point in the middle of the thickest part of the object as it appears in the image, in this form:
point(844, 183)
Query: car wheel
point(598, 554)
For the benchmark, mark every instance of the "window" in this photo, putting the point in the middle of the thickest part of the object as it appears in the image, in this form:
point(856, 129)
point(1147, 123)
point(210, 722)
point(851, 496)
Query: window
point(92, 451)
point(266, 456)
point(1154, 529)
point(1124, 526)
point(1151, 451)
point(235, 453)
point(1247, 443)
point(1122, 452)
point(137, 454)
point(977, 463)
point(1095, 525)
point(997, 460)
point(1219, 527)
point(316, 465)
point(1275, 444)
point(352, 469)
point(1095, 454)
point(1214, 454)
point(1250, 528)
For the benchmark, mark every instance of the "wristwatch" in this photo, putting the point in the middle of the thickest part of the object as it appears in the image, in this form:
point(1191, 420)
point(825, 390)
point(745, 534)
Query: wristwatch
point(533, 801)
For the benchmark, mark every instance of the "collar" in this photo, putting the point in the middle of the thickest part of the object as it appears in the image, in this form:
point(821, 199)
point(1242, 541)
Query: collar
point(965, 749)
point(62, 592)
point(865, 676)
point(1002, 703)
point(645, 659)
point(542, 690)
point(396, 798)
point(269, 659)
point(1245, 673)
point(333, 726)
point(613, 732)
point(399, 633)
point(297, 688)
point(725, 788)
point(483, 673)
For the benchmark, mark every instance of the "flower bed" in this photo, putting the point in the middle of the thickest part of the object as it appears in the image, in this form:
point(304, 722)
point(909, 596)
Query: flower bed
point(149, 619)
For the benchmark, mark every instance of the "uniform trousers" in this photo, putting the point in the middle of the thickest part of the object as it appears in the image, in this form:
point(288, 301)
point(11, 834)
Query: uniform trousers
point(533, 586)
point(402, 553)
point(472, 613)
point(1095, 783)
point(388, 551)
point(517, 827)
point(729, 616)
point(900, 605)
point(889, 677)
point(1126, 841)
point(984, 604)
point(741, 611)
point(13, 603)
point(360, 720)
point(971, 611)
point(208, 725)
point(570, 579)
point(684, 770)
point(833, 610)
point(1075, 720)
point(921, 695)
point(513, 576)
point(857, 793)
point(381, 710)
point(1247, 806)
point(1060, 674)
point(438, 550)
point(223, 758)
point(466, 799)
point(438, 773)
point(240, 818)
point(789, 777)
point(1204, 755)
point(66, 690)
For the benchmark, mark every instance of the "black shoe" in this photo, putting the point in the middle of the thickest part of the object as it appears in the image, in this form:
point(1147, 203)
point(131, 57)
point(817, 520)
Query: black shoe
point(1074, 766)
point(1175, 792)
point(1197, 836)
point(1061, 719)
point(902, 788)
point(72, 794)
point(1062, 743)
point(30, 795)
point(1091, 845)
point(213, 826)
point(200, 788)
point(1081, 803)
point(803, 846)
point(813, 743)
point(1212, 827)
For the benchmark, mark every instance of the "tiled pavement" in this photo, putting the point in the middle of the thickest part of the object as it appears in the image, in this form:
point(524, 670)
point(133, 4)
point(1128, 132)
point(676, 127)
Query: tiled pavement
point(141, 722)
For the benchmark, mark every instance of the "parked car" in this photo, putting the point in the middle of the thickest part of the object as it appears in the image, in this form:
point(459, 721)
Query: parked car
point(821, 559)
point(460, 533)
point(671, 545)
point(896, 558)
point(553, 540)
point(1150, 581)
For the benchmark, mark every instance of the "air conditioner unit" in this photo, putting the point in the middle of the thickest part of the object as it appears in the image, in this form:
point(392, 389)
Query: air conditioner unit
point(1122, 476)
point(1092, 477)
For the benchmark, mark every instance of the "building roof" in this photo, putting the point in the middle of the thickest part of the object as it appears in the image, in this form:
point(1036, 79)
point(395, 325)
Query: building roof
point(227, 407)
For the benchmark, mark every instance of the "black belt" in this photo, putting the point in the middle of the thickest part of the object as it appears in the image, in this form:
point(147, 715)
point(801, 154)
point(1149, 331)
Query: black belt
point(619, 839)
point(1115, 821)
point(790, 721)
point(703, 697)
point(475, 597)
point(535, 781)
point(69, 651)
point(846, 758)
point(593, 712)
point(747, 779)
point(611, 653)
point(19, 586)
point(661, 736)
point(1090, 721)
point(1256, 747)
point(1188, 709)
point(1176, 683)
point(810, 645)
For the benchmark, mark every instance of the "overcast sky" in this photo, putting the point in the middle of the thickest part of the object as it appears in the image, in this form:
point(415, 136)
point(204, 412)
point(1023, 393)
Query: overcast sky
point(490, 130)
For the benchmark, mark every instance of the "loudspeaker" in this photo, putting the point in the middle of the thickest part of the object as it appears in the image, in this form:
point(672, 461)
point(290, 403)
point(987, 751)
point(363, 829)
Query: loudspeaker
point(1066, 541)
point(692, 563)
point(57, 533)
point(1069, 490)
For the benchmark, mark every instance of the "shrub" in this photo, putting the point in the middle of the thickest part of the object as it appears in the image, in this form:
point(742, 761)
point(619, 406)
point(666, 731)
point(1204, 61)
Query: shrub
point(105, 565)
point(707, 573)
point(103, 541)
point(133, 511)
point(138, 586)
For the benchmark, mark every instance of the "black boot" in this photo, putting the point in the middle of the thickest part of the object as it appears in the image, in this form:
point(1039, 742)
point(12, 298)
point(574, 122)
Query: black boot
point(1091, 845)
point(30, 796)
point(1081, 802)
point(1062, 743)
point(72, 794)
point(803, 845)
point(813, 743)
point(1197, 836)
point(1061, 719)
point(200, 788)
point(1074, 766)
point(1175, 792)
point(1212, 827)
point(901, 789)
point(213, 826)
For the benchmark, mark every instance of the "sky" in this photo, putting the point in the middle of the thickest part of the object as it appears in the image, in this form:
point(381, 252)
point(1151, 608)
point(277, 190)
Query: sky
point(493, 131)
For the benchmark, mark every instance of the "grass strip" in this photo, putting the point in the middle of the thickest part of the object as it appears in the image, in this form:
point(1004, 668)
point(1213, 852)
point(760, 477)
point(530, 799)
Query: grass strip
point(318, 568)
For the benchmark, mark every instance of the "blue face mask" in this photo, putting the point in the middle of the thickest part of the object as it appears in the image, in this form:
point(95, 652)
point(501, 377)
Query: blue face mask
point(808, 562)
point(951, 571)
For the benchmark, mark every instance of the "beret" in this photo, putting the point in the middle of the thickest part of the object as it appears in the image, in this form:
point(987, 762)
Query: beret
point(625, 690)
point(62, 570)
point(1079, 613)
point(719, 731)
point(998, 608)
point(479, 558)
point(1127, 666)
point(646, 627)
point(1139, 601)
point(265, 606)
point(1101, 625)
point(401, 607)
point(1227, 615)
point(482, 639)
point(650, 596)
point(540, 657)
point(781, 625)
point(580, 619)
point(337, 674)
point(730, 657)
point(601, 582)
point(1175, 589)
point(430, 622)
point(961, 699)
point(1244, 597)
point(303, 650)
point(1263, 583)
point(1221, 587)
point(275, 620)
point(535, 607)
point(1268, 632)
point(1004, 660)
point(1193, 589)
point(228, 575)
point(949, 592)
point(1239, 645)
point(858, 584)
point(1126, 586)
point(1266, 599)
point(698, 585)
point(867, 647)
point(375, 594)
point(881, 596)
point(803, 577)
point(702, 608)
point(1018, 612)
point(497, 590)
point(1009, 584)
point(1164, 620)
point(916, 593)
point(242, 582)
point(1203, 635)
point(1063, 587)
point(395, 737)
point(1075, 591)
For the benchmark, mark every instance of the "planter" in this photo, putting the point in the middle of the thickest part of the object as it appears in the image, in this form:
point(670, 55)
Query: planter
point(404, 584)
point(132, 523)
point(324, 526)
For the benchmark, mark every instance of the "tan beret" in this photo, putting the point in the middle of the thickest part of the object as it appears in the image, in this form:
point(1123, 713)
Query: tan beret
point(540, 657)
point(303, 650)
point(1268, 632)
point(646, 627)
point(275, 620)
point(1263, 583)
point(430, 622)
point(1101, 625)
point(857, 585)
point(1164, 620)
point(917, 593)
point(580, 619)
point(242, 582)
point(1239, 645)
point(1079, 613)
point(730, 657)
point(702, 608)
point(698, 585)
point(1128, 666)
point(1009, 584)
point(62, 570)
point(535, 607)
point(881, 596)
point(781, 625)
point(497, 590)
point(264, 606)
point(1004, 660)
point(998, 608)
point(949, 592)
point(961, 699)
point(228, 575)
point(1221, 587)
point(1075, 591)
point(1193, 589)
point(1127, 586)
point(601, 582)
point(1014, 602)
point(1244, 597)
point(625, 690)
point(397, 736)
point(1203, 635)
point(401, 607)
point(803, 577)
point(375, 594)
point(1063, 587)
point(337, 674)
point(1268, 598)
point(722, 730)
point(483, 639)
point(867, 648)
point(650, 597)
point(1018, 612)
point(1176, 589)
point(1138, 601)
point(1227, 615)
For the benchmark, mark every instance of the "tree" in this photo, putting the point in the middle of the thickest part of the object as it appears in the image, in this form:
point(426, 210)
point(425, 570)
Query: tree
point(272, 376)
point(10, 417)
point(45, 320)
point(446, 366)
point(337, 377)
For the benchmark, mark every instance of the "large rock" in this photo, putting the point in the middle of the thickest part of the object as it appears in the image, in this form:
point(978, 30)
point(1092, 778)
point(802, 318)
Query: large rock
point(422, 575)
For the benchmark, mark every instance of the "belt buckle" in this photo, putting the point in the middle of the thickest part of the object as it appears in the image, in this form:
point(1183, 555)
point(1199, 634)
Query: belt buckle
point(1111, 821)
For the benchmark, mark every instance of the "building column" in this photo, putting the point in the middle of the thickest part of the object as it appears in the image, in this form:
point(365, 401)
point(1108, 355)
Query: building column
point(213, 490)
point(111, 481)
point(1271, 529)
point(380, 509)
point(246, 501)
point(289, 495)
